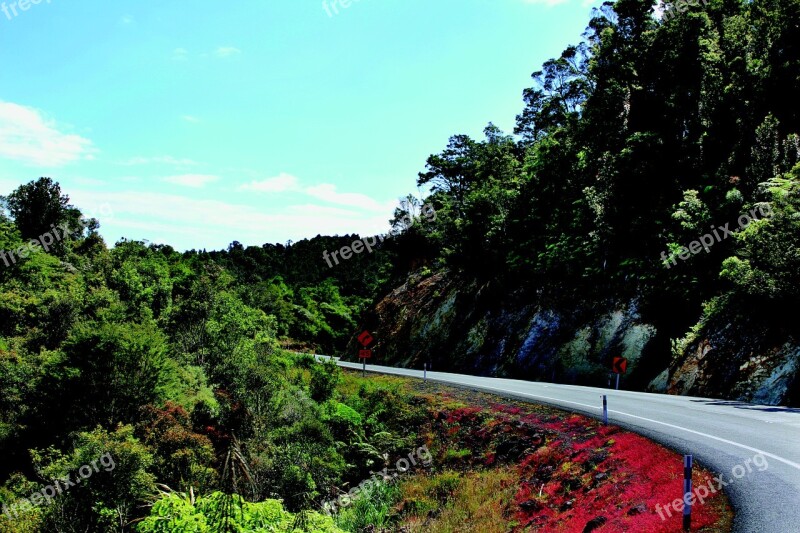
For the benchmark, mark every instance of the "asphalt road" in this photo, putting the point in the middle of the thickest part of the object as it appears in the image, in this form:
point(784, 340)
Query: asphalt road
point(724, 437)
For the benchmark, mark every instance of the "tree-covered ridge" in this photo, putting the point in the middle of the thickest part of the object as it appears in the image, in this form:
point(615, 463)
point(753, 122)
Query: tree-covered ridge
point(634, 143)
point(640, 137)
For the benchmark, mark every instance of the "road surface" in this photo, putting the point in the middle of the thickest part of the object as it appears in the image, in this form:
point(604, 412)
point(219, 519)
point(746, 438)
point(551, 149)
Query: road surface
point(724, 437)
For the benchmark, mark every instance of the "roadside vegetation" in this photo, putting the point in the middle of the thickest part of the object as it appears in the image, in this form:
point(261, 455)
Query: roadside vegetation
point(501, 465)
point(174, 365)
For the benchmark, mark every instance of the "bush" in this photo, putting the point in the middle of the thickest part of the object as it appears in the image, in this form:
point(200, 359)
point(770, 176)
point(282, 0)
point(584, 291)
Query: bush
point(218, 513)
point(324, 378)
point(105, 501)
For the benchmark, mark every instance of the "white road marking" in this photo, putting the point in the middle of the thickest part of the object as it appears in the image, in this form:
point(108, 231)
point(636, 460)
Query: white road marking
point(726, 441)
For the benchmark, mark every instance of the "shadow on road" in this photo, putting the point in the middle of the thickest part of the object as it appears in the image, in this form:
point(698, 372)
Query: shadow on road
point(751, 407)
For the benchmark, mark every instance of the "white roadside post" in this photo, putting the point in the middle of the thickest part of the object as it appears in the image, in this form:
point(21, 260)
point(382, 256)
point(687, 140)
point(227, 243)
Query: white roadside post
point(605, 410)
point(687, 492)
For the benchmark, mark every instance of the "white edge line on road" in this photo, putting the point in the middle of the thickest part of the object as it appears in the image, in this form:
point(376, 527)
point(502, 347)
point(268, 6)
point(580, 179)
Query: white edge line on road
point(593, 407)
point(726, 441)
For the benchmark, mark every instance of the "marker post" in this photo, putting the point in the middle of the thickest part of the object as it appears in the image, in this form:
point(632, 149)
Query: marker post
point(687, 492)
point(605, 410)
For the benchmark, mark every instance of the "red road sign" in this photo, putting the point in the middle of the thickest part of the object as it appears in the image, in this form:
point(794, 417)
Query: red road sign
point(365, 354)
point(620, 365)
point(365, 339)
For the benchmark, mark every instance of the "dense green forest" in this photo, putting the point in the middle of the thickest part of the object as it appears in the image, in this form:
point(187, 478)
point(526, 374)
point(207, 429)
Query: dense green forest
point(180, 367)
point(633, 143)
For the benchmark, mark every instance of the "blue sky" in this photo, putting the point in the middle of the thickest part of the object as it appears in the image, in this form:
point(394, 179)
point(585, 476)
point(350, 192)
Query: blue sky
point(259, 121)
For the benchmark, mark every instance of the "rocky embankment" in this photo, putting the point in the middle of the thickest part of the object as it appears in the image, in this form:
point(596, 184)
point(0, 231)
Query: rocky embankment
point(459, 326)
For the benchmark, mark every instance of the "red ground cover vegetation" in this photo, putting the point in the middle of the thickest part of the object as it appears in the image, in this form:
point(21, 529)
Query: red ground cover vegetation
point(575, 475)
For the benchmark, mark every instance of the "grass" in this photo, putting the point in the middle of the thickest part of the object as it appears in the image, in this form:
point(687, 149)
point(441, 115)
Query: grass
point(373, 508)
point(454, 502)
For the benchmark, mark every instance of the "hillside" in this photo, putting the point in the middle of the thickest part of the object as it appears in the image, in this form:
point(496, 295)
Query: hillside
point(647, 207)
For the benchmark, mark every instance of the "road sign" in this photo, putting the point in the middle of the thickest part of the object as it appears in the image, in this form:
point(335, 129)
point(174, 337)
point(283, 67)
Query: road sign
point(365, 354)
point(365, 338)
point(620, 365)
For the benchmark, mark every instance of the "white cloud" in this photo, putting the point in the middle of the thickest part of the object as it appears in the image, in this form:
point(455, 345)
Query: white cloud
point(227, 51)
point(190, 118)
point(164, 159)
point(91, 182)
point(328, 193)
point(27, 135)
point(325, 192)
point(192, 180)
point(187, 223)
point(180, 54)
point(281, 183)
point(127, 19)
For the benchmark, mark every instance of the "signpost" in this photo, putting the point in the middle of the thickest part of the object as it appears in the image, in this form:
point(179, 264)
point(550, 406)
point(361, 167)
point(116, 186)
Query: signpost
point(365, 339)
point(619, 366)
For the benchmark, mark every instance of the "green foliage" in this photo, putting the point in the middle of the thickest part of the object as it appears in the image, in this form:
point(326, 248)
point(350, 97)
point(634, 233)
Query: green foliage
point(692, 214)
point(767, 260)
point(324, 378)
point(343, 420)
point(372, 508)
point(142, 278)
point(24, 520)
point(108, 372)
point(189, 387)
point(217, 512)
point(36, 205)
point(184, 348)
point(107, 500)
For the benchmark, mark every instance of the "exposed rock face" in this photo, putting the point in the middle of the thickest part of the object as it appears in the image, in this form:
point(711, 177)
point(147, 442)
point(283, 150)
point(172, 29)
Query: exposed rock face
point(458, 326)
point(745, 359)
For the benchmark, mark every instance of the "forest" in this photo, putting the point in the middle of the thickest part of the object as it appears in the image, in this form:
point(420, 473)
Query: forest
point(187, 368)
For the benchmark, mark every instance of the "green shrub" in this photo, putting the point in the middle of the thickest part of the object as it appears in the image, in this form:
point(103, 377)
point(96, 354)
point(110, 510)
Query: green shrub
point(218, 512)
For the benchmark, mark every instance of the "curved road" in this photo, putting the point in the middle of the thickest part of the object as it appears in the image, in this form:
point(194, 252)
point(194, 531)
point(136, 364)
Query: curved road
point(724, 437)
